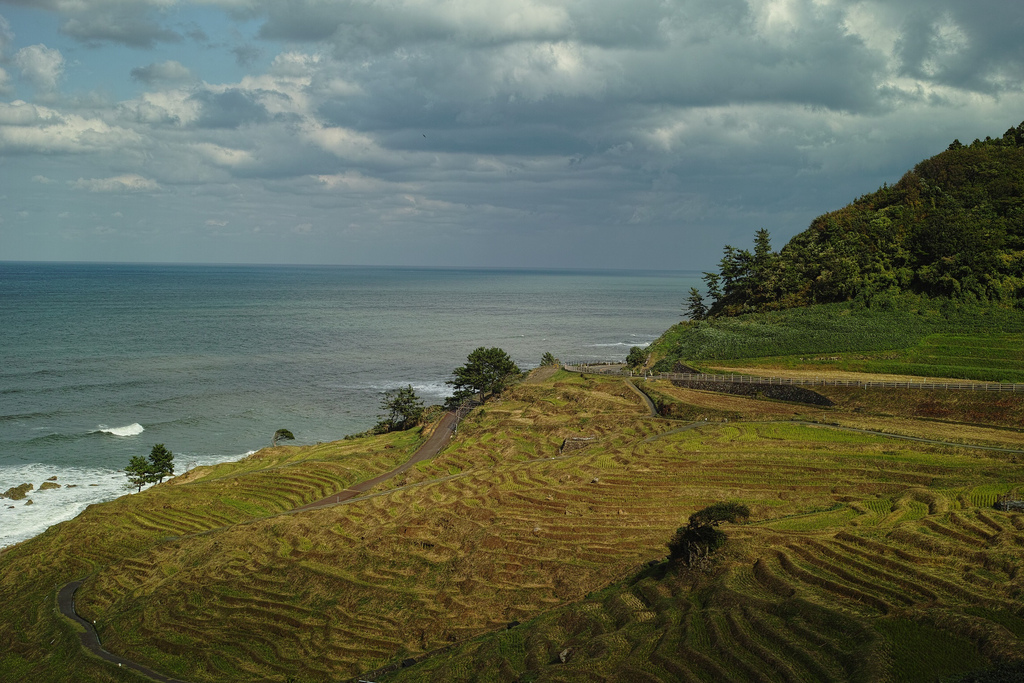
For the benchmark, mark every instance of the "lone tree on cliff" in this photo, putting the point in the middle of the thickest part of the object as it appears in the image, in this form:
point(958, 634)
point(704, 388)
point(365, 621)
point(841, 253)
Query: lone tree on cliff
point(486, 371)
point(281, 435)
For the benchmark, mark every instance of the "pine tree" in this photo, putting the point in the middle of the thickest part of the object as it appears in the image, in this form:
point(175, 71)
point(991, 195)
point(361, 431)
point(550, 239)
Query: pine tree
point(695, 308)
point(161, 463)
point(402, 410)
point(139, 472)
point(486, 370)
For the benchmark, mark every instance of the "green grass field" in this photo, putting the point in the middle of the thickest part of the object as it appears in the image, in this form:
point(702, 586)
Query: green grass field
point(978, 344)
point(990, 358)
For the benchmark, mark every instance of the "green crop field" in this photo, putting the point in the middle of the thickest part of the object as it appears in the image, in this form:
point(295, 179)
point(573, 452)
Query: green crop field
point(985, 357)
point(865, 557)
point(983, 343)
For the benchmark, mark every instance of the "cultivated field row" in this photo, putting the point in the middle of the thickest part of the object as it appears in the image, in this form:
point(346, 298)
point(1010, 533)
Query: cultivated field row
point(342, 590)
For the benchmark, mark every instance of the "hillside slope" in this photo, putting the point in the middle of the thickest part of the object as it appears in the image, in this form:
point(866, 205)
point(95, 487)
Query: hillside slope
point(952, 227)
point(867, 557)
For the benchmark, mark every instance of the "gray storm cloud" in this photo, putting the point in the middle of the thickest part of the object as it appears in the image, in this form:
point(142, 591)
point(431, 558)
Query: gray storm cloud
point(433, 132)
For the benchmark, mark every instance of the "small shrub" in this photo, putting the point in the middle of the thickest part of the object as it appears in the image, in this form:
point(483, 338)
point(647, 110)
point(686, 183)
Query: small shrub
point(693, 544)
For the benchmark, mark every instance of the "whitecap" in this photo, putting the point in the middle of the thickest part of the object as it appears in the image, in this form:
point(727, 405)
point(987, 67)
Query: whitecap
point(134, 429)
point(630, 344)
point(421, 388)
point(88, 485)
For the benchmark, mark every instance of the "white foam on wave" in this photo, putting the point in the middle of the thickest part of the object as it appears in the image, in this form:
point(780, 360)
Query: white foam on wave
point(134, 429)
point(20, 522)
point(439, 389)
point(629, 344)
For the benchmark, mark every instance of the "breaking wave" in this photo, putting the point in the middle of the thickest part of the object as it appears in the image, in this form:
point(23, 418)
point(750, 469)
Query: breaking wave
point(134, 429)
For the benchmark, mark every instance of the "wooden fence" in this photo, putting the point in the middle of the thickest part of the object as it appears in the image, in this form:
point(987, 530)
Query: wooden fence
point(609, 369)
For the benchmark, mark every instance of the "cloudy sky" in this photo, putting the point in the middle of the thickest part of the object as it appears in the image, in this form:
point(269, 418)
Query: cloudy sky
point(578, 133)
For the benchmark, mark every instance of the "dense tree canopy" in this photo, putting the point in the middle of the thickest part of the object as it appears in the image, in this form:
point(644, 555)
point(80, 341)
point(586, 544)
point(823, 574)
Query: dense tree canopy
point(952, 227)
point(637, 357)
point(402, 410)
point(161, 462)
point(486, 371)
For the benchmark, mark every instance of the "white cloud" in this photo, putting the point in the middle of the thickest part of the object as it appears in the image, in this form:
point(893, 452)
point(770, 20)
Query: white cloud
point(223, 156)
point(122, 183)
point(6, 36)
point(511, 115)
point(164, 107)
point(27, 128)
point(40, 65)
point(42, 180)
point(163, 72)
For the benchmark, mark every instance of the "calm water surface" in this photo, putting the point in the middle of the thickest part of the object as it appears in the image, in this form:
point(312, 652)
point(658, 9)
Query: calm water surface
point(100, 362)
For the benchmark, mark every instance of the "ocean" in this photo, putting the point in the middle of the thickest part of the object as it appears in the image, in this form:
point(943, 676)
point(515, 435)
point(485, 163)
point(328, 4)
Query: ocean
point(102, 361)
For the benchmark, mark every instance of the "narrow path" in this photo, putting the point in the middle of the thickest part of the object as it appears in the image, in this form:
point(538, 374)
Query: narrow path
point(91, 640)
point(647, 399)
point(439, 439)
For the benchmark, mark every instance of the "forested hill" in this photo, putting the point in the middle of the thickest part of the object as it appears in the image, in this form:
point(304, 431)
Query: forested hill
point(952, 227)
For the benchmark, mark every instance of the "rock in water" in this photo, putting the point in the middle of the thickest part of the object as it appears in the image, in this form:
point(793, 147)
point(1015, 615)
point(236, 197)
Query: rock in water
point(18, 492)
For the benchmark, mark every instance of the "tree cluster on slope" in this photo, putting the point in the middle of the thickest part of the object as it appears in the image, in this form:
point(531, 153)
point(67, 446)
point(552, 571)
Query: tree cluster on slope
point(952, 227)
point(693, 544)
point(141, 471)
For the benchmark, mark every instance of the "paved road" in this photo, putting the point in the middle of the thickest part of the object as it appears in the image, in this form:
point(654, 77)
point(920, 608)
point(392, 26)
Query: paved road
point(646, 399)
point(91, 640)
point(438, 440)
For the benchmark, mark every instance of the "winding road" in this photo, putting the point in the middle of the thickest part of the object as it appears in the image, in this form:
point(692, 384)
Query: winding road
point(432, 446)
point(91, 640)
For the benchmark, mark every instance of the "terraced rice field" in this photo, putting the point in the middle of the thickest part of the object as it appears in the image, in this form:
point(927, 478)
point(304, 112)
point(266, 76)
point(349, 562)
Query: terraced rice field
point(903, 577)
point(866, 558)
